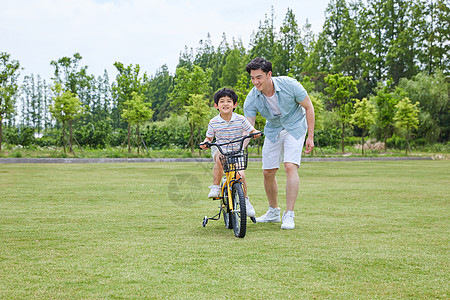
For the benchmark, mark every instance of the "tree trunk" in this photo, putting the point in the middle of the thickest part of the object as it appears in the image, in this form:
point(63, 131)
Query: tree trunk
point(362, 143)
point(71, 138)
point(129, 138)
point(342, 137)
point(191, 139)
point(64, 136)
point(408, 147)
point(137, 138)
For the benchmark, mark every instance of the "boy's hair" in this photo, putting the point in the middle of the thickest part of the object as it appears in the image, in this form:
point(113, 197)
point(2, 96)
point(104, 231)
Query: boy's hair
point(259, 63)
point(223, 93)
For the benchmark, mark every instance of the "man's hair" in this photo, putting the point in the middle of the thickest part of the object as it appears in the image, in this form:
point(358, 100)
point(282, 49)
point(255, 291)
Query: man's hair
point(259, 63)
point(223, 93)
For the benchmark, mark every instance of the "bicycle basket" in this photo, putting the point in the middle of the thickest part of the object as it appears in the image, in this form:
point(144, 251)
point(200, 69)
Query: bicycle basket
point(234, 161)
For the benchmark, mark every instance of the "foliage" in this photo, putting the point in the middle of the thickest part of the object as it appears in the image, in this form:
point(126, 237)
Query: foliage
point(197, 112)
point(65, 108)
point(389, 49)
point(340, 90)
point(406, 117)
point(9, 72)
point(363, 117)
point(431, 92)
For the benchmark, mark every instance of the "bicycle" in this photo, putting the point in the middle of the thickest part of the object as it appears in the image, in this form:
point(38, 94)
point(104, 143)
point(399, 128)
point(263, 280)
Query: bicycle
point(232, 205)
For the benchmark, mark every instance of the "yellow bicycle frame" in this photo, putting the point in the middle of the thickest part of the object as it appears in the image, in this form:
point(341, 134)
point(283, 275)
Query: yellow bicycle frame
point(230, 176)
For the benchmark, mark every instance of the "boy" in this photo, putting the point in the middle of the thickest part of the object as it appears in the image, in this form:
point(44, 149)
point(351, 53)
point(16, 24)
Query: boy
point(226, 126)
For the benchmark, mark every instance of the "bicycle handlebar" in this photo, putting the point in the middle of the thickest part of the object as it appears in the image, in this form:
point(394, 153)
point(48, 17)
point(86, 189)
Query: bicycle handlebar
point(239, 139)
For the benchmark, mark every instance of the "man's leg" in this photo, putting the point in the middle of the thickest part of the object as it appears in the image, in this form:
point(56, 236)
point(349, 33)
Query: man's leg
point(271, 186)
point(292, 185)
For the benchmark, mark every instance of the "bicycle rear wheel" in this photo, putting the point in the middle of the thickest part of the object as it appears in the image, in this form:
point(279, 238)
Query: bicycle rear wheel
point(226, 214)
point(239, 213)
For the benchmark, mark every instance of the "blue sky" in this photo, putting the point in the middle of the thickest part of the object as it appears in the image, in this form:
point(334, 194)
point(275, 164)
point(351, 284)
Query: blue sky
point(145, 32)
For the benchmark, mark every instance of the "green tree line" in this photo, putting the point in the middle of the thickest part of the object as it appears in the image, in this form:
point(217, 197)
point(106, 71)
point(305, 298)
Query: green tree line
point(378, 69)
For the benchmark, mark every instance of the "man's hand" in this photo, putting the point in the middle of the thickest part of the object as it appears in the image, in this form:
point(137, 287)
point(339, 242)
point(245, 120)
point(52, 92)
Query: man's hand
point(309, 145)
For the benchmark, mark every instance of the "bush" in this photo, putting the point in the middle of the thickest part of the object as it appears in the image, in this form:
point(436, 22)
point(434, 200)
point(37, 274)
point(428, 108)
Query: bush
point(19, 135)
point(330, 137)
point(396, 142)
point(173, 131)
point(94, 135)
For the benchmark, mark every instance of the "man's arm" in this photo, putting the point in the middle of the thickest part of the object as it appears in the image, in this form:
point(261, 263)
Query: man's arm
point(310, 120)
point(252, 120)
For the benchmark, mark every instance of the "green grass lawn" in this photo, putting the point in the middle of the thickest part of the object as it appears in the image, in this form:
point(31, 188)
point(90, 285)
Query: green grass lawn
point(93, 231)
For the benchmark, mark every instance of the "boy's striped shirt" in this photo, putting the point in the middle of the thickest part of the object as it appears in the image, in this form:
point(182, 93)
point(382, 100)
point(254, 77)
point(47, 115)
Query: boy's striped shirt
point(225, 131)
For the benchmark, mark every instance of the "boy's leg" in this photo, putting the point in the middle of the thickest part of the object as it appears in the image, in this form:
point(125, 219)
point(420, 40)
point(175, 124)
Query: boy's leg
point(249, 206)
point(244, 182)
point(217, 174)
point(217, 170)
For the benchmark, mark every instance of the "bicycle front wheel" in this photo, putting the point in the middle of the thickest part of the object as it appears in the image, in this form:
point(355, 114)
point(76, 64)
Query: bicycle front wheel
point(239, 213)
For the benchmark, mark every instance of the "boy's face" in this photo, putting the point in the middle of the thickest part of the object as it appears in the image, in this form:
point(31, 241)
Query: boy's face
point(225, 105)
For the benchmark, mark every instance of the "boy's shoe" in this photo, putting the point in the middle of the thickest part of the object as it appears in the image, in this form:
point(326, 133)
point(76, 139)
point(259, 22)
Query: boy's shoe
point(288, 220)
point(214, 192)
point(272, 215)
point(250, 209)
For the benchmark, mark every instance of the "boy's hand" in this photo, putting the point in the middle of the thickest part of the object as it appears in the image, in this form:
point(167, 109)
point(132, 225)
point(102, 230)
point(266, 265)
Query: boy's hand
point(257, 134)
point(204, 145)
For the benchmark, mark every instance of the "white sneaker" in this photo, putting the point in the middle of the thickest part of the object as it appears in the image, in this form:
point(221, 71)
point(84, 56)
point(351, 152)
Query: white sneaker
point(288, 220)
point(214, 192)
point(272, 215)
point(249, 207)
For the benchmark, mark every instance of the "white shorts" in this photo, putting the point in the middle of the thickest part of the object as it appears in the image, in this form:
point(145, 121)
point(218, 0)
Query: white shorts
point(214, 152)
point(285, 149)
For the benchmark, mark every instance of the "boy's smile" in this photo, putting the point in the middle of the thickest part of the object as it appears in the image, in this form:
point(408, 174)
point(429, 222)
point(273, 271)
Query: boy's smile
point(225, 106)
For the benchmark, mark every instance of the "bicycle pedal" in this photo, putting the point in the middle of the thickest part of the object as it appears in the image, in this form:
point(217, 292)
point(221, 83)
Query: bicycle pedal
point(217, 198)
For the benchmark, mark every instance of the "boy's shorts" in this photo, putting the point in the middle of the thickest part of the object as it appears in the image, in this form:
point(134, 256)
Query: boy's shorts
point(214, 152)
point(285, 149)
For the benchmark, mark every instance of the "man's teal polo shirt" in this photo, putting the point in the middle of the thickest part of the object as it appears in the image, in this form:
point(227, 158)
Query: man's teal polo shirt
point(293, 118)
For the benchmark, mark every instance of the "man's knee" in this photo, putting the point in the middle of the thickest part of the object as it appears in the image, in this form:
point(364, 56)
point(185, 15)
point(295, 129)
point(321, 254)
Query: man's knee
point(269, 173)
point(291, 168)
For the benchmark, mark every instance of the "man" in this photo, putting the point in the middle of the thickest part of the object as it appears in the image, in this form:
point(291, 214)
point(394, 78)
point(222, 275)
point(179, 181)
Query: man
point(289, 114)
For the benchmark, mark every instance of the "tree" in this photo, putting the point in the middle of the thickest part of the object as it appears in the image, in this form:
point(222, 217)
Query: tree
point(234, 67)
point(385, 101)
point(363, 117)
point(197, 112)
point(288, 45)
point(160, 86)
point(136, 112)
point(9, 72)
point(432, 93)
point(406, 118)
point(66, 107)
point(189, 83)
point(340, 90)
point(263, 42)
point(127, 81)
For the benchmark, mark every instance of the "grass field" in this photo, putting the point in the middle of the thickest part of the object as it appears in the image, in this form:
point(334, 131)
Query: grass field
point(364, 230)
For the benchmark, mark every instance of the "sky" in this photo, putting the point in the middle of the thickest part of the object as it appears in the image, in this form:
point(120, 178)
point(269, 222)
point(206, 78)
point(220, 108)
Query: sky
point(150, 33)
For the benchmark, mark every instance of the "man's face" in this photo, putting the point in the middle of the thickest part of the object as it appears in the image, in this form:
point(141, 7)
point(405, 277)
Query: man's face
point(261, 80)
point(225, 105)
